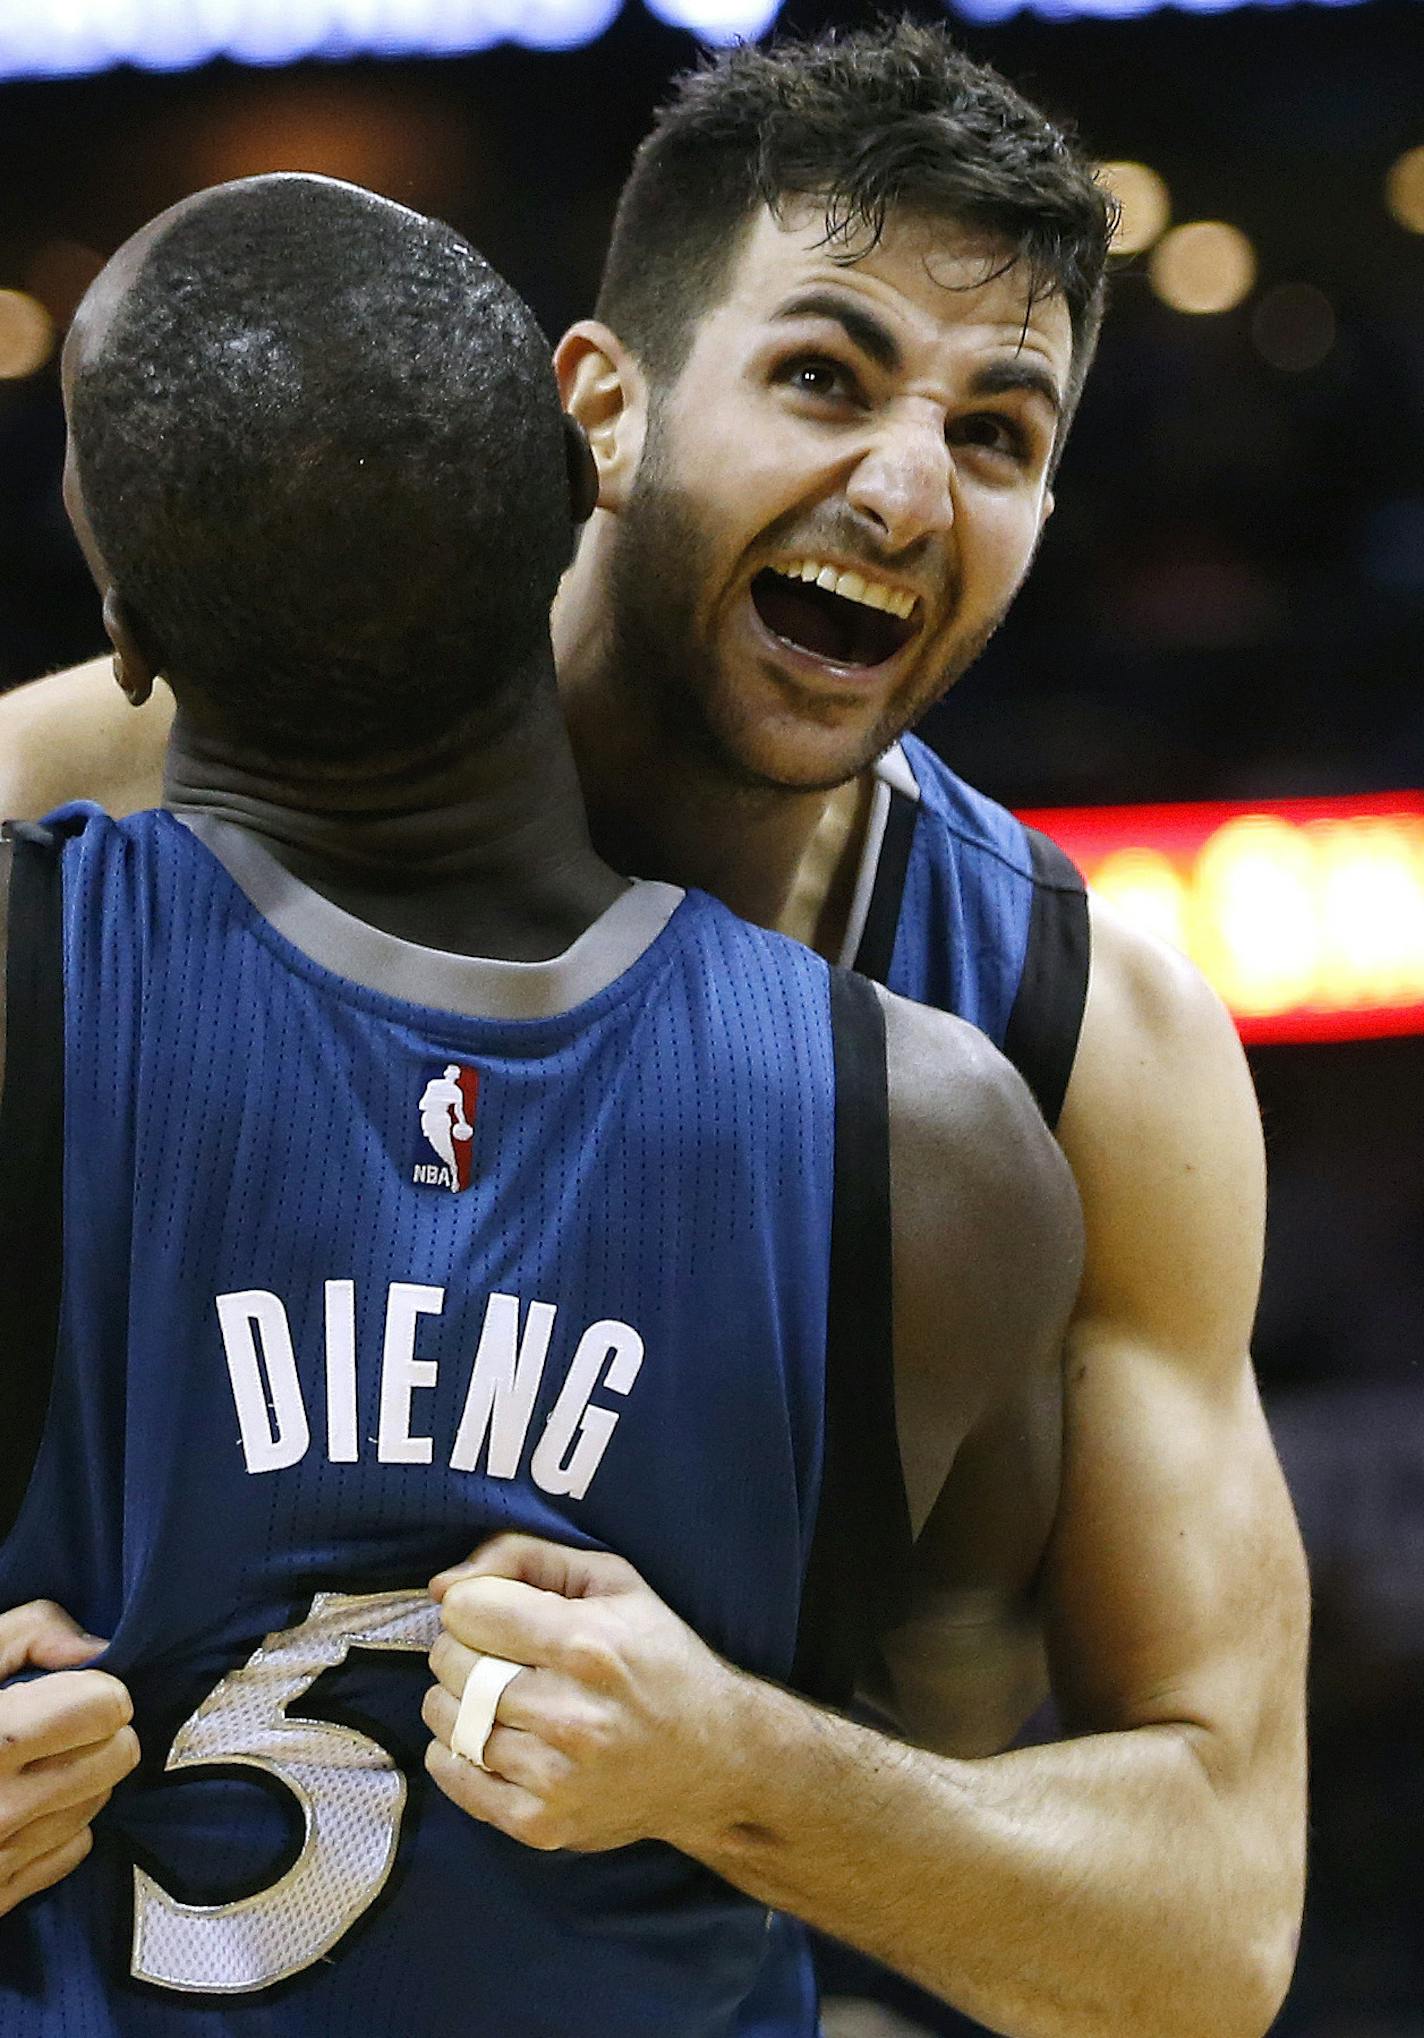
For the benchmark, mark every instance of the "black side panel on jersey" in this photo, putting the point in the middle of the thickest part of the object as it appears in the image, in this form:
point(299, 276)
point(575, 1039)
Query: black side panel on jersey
point(1047, 1017)
point(860, 1551)
point(31, 1153)
point(877, 940)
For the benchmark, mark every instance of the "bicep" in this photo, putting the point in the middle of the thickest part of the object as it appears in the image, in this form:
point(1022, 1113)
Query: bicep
point(1176, 1580)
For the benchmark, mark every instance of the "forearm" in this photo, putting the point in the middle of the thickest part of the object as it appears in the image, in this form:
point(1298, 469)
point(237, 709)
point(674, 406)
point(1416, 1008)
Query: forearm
point(1096, 1888)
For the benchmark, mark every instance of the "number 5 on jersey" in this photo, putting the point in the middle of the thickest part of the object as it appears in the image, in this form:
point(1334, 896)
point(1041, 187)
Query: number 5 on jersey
point(351, 1792)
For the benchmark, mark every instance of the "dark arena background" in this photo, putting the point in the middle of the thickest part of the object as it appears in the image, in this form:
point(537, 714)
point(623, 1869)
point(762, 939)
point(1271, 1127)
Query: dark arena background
point(1228, 609)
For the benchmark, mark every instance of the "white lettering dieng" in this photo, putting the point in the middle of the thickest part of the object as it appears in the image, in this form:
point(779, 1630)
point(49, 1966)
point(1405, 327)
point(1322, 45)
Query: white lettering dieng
point(503, 1384)
point(554, 1467)
point(265, 1387)
point(506, 1376)
point(402, 1372)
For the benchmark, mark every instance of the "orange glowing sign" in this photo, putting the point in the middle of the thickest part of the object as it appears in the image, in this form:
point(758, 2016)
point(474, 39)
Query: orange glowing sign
point(1306, 915)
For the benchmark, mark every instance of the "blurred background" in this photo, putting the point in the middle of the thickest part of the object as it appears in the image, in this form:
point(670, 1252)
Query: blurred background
point(1229, 604)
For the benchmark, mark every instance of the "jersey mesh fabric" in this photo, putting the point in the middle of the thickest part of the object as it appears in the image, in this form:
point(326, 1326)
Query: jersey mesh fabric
point(962, 930)
point(241, 1121)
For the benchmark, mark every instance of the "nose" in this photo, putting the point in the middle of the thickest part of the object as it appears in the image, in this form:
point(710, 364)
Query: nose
point(902, 481)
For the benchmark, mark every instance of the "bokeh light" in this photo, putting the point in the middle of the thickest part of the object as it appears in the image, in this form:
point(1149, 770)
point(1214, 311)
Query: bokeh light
point(1145, 201)
point(1148, 889)
point(1203, 267)
point(334, 125)
point(1404, 190)
point(26, 335)
point(1306, 916)
point(58, 274)
point(1293, 327)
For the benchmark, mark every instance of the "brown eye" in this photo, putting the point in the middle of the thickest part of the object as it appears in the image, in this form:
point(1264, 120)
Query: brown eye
point(814, 376)
point(991, 430)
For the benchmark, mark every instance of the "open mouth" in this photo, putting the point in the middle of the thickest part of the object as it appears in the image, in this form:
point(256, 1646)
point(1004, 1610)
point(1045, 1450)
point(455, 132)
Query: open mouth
point(852, 621)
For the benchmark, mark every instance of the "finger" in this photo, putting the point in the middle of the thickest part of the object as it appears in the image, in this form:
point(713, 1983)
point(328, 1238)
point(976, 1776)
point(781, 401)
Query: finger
point(66, 1778)
point(509, 1752)
point(550, 1567)
point(44, 1835)
point(439, 1712)
point(498, 1616)
point(46, 1871)
point(451, 1663)
point(491, 1799)
point(528, 1761)
point(68, 1709)
point(44, 1635)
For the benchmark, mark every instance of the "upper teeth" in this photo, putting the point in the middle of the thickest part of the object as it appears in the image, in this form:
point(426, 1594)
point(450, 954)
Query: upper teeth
point(851, 586)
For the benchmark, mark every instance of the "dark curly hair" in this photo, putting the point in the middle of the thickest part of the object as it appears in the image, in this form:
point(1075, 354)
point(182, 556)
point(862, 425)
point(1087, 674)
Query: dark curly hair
point(868, 123)
point(321, 451)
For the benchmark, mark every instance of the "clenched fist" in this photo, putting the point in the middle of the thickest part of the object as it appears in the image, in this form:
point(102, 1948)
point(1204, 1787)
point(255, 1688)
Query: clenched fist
point(619, 1728)
point(65, 1741)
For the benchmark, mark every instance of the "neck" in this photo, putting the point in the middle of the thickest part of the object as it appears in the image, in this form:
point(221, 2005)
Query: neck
point(481, 847)
point(782, 858)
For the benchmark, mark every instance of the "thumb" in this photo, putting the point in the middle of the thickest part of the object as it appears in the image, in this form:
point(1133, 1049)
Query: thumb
point(43, 1636)
point(549, 1567)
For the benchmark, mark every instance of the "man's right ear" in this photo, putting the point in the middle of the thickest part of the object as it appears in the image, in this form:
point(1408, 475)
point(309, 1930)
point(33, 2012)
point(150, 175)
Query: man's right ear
point(605, 392)
point(133, 669)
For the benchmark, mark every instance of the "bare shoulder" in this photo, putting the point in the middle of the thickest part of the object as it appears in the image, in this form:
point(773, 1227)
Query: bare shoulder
point(73, 736)
point(1161, 1127)
point(969, 1148)
point(987, 1239)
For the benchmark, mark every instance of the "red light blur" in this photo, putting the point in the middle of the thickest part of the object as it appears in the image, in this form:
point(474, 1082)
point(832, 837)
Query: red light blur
point(1307, 916)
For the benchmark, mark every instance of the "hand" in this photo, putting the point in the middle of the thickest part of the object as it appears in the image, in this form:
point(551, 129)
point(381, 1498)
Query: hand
point(65, 1742)
point(615, 1731)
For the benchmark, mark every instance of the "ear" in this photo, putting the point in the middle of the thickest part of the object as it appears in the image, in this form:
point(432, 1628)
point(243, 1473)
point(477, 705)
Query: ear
point(606, 394)
point(582, 471)
point(133, 669)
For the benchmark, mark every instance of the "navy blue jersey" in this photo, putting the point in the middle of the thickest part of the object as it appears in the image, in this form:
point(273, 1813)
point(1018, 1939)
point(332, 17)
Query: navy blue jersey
point(371, 1251)
point(960, 906)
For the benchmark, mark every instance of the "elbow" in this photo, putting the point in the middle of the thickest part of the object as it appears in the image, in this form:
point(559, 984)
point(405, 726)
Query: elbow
point(1251, 1977)
point(1270, 1969)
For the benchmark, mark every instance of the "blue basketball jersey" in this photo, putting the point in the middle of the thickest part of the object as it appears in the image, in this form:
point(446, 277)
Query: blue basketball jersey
point(370, 1252)
point(960, 906)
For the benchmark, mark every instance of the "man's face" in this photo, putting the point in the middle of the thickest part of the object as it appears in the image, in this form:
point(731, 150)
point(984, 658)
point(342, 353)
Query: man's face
point(891, 421)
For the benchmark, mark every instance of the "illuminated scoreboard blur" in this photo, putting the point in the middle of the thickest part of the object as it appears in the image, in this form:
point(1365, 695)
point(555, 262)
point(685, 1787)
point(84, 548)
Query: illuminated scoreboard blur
point(1306, 915)
point(56, 38)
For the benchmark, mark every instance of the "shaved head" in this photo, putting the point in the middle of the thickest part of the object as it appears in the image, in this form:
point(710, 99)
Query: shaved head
point(317, 455)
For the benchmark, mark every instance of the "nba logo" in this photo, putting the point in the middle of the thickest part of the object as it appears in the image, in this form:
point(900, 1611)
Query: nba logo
point(447, 1124)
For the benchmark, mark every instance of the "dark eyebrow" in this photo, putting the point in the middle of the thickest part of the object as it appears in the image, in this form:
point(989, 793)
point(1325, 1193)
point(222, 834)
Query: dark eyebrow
point(1001, 378)
point(861, 328)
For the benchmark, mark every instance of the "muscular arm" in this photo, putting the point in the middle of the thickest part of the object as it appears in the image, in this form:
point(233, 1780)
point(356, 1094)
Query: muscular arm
point(74, 737)
point(1145, 1877)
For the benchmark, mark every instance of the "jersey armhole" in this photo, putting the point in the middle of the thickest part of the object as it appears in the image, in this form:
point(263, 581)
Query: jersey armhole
point(31, 1152)
point(858, 1567)
point(1041, 1038)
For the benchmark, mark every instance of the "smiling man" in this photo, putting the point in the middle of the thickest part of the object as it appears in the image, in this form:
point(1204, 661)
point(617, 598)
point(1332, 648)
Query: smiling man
point(852, 294)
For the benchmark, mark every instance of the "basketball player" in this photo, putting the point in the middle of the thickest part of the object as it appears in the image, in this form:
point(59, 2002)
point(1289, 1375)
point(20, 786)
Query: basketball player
point(774, 390)
point(292, 1375)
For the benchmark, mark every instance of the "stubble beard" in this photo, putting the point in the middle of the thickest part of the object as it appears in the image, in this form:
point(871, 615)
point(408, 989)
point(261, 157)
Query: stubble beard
point(665, 671)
